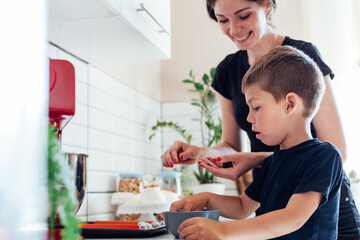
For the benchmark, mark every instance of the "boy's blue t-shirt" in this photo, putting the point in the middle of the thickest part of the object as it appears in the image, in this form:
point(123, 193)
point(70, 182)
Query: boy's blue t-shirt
point(310, 166)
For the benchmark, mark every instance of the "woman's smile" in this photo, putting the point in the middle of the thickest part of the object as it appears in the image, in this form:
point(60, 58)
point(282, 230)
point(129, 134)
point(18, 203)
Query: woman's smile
point(243, 39)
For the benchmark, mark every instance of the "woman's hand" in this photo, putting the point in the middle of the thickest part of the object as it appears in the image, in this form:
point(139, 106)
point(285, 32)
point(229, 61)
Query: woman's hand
point(200, 228)
point(241, 163)
point(181, 152)
point(195, 202)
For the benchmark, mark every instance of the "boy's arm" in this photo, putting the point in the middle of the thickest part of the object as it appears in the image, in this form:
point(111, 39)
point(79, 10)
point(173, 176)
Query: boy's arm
point(277, 223)
point(233, 207)
point(230, 206)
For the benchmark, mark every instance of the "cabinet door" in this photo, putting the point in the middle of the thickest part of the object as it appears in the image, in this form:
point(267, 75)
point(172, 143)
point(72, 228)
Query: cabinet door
point(160, 9)
point(151, 18)
point(110, 31)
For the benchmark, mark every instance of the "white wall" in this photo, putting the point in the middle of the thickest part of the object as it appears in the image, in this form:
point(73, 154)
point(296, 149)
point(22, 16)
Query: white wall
point(112, 124)
point(335, 30)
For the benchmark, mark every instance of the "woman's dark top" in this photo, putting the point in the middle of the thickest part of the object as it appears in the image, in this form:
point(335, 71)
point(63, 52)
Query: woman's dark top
point(227, 82)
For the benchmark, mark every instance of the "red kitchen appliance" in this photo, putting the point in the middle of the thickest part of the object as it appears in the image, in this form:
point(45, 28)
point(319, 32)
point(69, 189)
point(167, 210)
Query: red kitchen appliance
point(61, 110)
point(62, 93)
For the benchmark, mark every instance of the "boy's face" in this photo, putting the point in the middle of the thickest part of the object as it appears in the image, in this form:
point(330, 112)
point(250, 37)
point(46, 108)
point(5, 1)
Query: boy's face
point(268, 117)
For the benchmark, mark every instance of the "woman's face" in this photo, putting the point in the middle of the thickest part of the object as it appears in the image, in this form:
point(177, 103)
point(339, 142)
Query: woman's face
point(242, 21)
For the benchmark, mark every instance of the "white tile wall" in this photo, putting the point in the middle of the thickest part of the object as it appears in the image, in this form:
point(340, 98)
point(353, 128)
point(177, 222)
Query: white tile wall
point(112, 124)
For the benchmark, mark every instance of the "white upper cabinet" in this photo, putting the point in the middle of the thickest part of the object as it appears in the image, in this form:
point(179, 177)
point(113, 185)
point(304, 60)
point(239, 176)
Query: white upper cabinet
point(111, 31)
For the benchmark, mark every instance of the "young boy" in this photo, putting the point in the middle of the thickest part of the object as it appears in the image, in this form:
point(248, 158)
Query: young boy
point(296, 193)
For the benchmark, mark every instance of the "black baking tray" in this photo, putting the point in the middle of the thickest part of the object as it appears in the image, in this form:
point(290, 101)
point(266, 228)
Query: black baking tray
point(122, 233)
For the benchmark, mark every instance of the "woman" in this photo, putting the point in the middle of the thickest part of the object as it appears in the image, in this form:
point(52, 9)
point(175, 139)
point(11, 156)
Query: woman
point(247, 24)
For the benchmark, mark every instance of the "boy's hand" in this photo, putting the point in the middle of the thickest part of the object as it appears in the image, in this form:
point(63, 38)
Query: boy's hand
point(195, 202)
point(200, 228)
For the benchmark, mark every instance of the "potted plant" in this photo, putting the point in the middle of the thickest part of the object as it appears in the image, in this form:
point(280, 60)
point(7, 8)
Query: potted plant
point(210, 124)
point(61, 194)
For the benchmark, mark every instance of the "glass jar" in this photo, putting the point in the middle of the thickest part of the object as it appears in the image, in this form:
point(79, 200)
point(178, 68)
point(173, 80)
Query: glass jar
point(130, 182)
point(169, 181)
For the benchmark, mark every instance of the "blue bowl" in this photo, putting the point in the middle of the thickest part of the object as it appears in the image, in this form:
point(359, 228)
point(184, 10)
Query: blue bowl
point(173, 220)
point(213, 214)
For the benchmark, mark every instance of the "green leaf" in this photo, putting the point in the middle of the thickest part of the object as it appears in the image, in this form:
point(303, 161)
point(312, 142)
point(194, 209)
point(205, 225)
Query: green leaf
point(196, 104)
point(199, 87)
point(197, 176)
point(191, 73)
point(206, 79)
point(206, 177)
point(61, 191)
point(151, 136)
point(188, 81)
point(172, 125)
point(212, 73)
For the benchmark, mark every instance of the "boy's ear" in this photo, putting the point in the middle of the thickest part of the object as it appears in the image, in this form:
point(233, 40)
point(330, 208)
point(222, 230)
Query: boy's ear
point(291, 103)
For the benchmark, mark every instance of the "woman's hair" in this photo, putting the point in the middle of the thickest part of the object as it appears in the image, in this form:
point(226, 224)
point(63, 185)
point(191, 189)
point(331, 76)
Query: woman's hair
point(211, 3)
point(283, 70)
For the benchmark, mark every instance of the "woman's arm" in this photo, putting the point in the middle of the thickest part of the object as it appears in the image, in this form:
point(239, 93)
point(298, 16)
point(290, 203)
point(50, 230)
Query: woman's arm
point(327, 122)
point(183, 153)
point(231, 132)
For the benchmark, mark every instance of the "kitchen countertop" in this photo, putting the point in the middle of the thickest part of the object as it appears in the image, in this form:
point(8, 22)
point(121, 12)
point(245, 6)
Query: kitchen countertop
point(165, 236)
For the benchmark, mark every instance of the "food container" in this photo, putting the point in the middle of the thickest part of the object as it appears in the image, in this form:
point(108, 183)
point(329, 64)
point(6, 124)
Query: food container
point(132, 183)
point(169, 181)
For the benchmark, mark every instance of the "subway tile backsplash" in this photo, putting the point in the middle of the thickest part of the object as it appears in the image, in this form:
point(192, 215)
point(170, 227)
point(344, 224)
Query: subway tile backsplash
point(112, 124)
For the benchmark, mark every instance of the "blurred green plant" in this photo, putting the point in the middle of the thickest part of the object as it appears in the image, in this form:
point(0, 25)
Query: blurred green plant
point(353, 177)
point(210, 124)
point(61, 191)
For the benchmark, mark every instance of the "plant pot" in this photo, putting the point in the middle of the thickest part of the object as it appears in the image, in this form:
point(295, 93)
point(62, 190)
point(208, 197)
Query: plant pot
point(217, 188)
point(55, 234)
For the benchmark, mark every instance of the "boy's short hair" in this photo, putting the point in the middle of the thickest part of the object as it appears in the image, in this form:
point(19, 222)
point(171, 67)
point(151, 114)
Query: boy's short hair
point(285, 69)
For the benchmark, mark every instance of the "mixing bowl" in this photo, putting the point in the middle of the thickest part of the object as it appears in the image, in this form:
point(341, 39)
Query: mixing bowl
point(174, 219)
point(213, 214)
